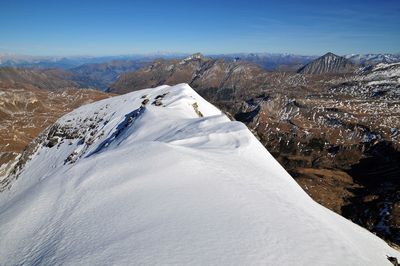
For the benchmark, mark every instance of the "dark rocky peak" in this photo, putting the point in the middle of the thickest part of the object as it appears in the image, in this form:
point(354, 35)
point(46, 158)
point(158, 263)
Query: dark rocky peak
point(330, 54)
point(328, 64)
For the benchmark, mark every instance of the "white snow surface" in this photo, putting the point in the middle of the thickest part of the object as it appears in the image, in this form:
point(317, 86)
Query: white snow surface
point(172, 188)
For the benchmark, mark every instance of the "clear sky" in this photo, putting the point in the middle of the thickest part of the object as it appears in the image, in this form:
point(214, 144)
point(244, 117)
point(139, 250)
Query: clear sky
point(99, 27)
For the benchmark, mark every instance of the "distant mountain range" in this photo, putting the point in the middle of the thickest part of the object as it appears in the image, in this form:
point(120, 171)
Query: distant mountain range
point(217, 76)
point(96, 75)
point(75, 61)
point(101, 75)
point(269, 61)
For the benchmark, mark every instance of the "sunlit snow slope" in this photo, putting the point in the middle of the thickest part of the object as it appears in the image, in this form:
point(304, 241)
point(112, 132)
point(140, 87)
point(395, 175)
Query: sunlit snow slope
point(162, 177)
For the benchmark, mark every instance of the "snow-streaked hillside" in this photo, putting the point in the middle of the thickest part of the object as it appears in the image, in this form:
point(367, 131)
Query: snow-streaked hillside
point(383, 71)
point(373, 59)
point(162, 177)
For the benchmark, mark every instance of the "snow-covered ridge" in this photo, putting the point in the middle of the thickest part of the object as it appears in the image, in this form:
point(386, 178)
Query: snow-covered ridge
point(372, 59)
point(162, 177)
point(387, 70)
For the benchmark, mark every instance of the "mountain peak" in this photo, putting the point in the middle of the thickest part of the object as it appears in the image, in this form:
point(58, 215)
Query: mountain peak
point(330, 54)
point(329, 63)
point(195, 56)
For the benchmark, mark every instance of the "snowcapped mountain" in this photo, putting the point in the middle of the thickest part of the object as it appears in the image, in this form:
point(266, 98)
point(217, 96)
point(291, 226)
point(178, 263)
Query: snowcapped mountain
point(380, 80)
point(383, 72)
point(161, 177)
point(373, 59)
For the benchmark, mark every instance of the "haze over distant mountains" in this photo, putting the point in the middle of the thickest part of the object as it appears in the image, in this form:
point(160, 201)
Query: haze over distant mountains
point(67, 62)
point(269, 61)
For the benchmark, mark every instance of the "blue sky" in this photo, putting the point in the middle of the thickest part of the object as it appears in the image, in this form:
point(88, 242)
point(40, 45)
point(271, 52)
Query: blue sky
point(130, 27)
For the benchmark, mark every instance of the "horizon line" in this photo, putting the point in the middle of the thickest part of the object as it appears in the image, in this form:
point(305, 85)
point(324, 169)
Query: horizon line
point(173, 53)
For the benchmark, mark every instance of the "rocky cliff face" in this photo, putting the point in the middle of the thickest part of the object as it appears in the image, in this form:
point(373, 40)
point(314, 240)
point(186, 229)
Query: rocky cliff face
point(328, 64)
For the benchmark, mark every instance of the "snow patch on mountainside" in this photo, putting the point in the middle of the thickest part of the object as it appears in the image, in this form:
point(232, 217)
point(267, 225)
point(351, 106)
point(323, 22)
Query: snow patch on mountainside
point(162, 177)
point(381, 74)
point(373, 59)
